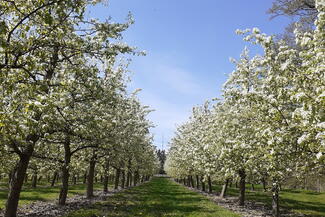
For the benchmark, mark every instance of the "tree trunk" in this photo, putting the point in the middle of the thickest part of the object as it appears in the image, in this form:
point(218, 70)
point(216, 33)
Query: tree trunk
point(123, 179)
point(242, 186)
point(188, 181)
point(54, 178)
point(131, 179)
point(275, 200)
point(85, 178)
point(197, 182)
point(209, 184)
point(106, 176)
point(65, 173)
point(105, 183)
point(58, 178)
point(128, 176)
point(34, 182)
point(74, 179)
point(264, 184)
point(224, 189)
point(136, 178)
point(65, 186)
point(117, 178)
point(252, 187)
point(10, 174)
point(192, 182)
point(16, 182)
point(202, 184)
point(90, 178)
point(128, 179)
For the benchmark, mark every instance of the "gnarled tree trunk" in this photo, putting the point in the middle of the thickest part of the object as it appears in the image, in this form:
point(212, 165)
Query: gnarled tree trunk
point(242, 186)
point(16, 182)
point(91, 174)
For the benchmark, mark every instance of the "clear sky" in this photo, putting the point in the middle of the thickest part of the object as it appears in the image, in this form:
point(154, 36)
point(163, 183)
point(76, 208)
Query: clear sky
point(188, 45)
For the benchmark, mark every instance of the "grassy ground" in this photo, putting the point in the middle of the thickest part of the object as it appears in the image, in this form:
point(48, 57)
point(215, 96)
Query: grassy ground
point(158, 198)
point(41, 193)
point(301, 201)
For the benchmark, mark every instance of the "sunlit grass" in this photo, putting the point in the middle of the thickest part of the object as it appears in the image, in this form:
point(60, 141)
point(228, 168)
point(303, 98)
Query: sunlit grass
point(160, 197)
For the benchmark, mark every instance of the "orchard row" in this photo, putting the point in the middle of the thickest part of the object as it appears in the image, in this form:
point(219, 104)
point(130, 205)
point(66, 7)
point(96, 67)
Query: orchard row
point(65, 110)
point(270, 124)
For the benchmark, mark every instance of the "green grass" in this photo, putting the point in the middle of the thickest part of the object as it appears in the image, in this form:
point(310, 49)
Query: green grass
point(42, 193)
point(157, 198)
point(300, 201)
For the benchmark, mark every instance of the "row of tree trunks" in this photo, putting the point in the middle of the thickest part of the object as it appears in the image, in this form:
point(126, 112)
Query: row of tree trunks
point(19, 174)
point(52, 180)
point(189, 181)
point(124, 179)
point(242, 188)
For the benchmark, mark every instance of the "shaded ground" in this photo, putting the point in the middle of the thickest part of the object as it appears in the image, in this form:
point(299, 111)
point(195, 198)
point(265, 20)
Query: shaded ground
point(157, 198)
point(42, 193)
point(305, 202)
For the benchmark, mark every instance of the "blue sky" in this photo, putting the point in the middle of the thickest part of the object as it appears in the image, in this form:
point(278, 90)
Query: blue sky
point(188, 45)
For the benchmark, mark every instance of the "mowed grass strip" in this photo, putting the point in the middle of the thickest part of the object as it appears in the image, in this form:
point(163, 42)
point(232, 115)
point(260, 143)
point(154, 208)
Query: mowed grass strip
point(43, 193)
point(157, 198)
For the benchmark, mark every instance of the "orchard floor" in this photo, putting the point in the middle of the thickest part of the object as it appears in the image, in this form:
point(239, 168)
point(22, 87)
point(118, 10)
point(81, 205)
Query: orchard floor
point(42, 193)
point(163, 197)
point(157, 198)
point(301, 202)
